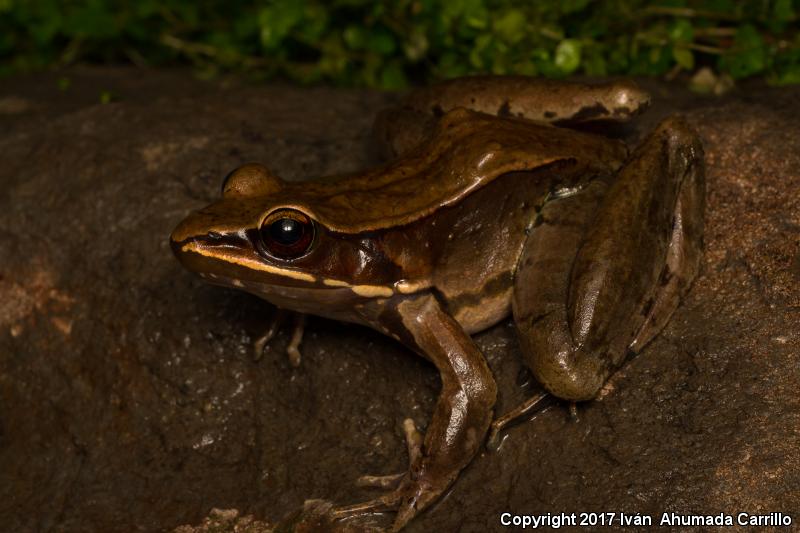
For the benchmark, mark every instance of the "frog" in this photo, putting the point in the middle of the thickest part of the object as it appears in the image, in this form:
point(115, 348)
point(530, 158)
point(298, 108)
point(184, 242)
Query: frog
point(495, 201)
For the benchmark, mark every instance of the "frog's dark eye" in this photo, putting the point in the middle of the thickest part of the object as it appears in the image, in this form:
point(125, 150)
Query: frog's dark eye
point(287, 233)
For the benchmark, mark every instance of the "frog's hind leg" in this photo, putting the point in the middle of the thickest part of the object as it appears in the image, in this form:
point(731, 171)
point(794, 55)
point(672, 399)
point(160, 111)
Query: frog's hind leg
point(400, 129)
point(541, 279)
point(579, 313)
point(684, 257)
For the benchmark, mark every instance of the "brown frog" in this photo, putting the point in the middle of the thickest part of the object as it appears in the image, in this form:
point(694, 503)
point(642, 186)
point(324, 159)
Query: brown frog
point(487, 211)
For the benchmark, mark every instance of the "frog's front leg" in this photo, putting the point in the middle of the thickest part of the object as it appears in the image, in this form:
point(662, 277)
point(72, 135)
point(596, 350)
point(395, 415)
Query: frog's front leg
point(594, 284)
point(293, 348)
point(462, 414)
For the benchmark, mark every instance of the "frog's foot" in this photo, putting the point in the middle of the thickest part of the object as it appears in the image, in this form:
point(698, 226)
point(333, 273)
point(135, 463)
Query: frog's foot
point(525, 408)
point(414, 445)
point(407, 493)
point(261, 343)
point(317, 516)
point(414, 492)
point(381, 482)
point(293, 348)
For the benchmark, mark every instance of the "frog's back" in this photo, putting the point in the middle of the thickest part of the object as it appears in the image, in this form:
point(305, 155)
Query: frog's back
point(467, 151)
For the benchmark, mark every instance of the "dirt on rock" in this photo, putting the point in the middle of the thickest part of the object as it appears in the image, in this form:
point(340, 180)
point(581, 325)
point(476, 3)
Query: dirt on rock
point(130, 400)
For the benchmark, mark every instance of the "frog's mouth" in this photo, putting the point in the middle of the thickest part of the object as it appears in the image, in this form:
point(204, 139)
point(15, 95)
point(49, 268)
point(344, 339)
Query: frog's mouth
point(232, 262)
point(231, 259)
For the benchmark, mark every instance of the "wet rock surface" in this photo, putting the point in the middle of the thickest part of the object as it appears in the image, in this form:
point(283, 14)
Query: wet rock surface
point(130, 400)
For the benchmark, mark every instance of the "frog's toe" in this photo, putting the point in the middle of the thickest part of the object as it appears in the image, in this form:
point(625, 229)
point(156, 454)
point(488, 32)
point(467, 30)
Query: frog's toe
point(387, 502)
point(381, 482)
point(414, 444)
point(411, 496)
point(413, 441)
point(319, 516)
point(293, 348)
point(260, 344)
point(405, 493)
point(526, 408)
point(415, 497)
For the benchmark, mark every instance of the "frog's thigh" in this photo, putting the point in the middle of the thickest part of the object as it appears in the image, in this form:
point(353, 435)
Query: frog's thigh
point(578, 313)
point(398, 130)
point(539, 301)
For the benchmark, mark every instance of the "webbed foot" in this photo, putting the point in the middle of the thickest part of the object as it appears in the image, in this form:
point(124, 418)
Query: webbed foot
point(400, 483)
point(414, 445)
point(409, 492)
point(317, 516)
point(413, 493)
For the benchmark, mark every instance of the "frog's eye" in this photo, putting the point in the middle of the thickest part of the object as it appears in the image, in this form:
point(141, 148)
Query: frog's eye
point(287, 234)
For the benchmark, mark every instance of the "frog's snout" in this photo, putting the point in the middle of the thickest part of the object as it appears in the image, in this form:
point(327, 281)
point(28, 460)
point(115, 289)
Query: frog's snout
point(184, 231)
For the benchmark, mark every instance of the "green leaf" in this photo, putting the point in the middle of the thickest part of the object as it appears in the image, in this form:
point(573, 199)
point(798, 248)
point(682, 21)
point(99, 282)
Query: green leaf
point(277, 20)
point(315, 23)
point(782, 11)
point(748, 55)
point(568, 55)
point(787, 77)
point(681, 31)
point(416, 46)
point(476, 55)
point(572, 6)
point(475, 14)
point(355, 37)
point(683, 57)
point(510, 26)
point(594, 64)
point(106, 97)
point(544, 63)
point(526, 68)
point(393, 77)
point(381, 41)
point(93, 20)
point(451, 65)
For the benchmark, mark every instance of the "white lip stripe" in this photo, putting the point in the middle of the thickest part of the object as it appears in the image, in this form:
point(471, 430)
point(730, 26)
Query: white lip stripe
point(249, 263)
point(369, 291)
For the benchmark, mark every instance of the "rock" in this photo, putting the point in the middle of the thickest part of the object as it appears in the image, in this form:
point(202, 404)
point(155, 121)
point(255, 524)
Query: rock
point(130, 398)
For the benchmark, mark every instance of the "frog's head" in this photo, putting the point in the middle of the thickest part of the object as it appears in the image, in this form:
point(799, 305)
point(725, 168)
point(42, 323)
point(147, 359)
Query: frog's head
point(257, 239)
